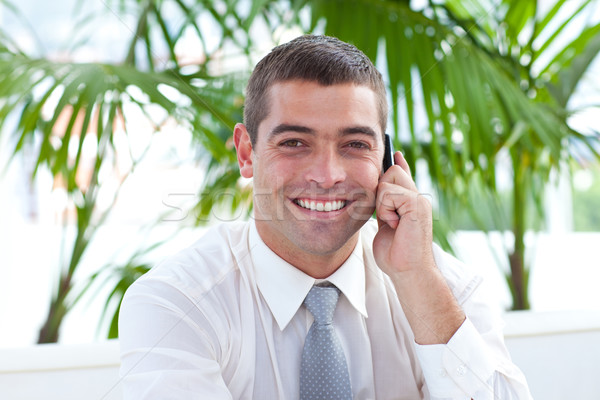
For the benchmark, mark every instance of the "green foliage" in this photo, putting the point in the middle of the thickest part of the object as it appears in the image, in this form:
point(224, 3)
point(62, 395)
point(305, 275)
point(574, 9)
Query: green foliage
point(476, 85)
point(124, 276)
point(93, 102)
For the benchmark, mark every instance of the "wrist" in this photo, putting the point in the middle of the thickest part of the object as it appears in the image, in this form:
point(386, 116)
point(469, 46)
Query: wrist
point(429, 305)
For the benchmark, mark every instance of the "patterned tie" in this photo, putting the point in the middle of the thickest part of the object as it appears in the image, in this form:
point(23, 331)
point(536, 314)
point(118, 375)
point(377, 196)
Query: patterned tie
point(323, 371)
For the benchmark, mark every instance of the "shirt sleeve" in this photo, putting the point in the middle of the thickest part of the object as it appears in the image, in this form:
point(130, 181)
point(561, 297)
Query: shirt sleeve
point(475, 363)
point(165, 354)
point(466, 368)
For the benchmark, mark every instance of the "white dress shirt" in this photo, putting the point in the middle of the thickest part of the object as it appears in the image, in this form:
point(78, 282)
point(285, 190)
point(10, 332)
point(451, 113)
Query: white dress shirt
point(224, 320)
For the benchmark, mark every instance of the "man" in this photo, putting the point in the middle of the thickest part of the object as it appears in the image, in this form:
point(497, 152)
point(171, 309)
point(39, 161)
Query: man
point(232, 317)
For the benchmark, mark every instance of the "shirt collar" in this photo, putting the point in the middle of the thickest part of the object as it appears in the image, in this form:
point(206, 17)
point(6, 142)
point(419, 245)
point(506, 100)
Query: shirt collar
point(284, 287)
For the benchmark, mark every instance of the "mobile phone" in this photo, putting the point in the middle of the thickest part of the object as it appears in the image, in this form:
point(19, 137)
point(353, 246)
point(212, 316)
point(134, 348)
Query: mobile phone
point(388, 155)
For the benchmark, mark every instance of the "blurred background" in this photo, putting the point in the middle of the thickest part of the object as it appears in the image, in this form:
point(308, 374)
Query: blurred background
point(115, 139)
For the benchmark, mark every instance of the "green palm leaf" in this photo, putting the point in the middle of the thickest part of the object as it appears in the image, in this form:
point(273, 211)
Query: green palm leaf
point(474, 80)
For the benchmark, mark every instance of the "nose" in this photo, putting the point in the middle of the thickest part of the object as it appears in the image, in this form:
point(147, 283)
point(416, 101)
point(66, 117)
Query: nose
point(326, 168)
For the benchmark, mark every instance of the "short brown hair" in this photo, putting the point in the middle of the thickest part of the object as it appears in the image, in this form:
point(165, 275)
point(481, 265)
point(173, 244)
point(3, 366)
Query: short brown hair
point(322, 59)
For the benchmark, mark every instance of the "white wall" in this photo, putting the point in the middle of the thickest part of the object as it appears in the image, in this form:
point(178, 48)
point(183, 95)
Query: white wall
point(61, 372)
point(558, 352)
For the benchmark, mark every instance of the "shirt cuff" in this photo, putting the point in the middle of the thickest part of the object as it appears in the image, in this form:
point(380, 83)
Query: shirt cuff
point(459, 368)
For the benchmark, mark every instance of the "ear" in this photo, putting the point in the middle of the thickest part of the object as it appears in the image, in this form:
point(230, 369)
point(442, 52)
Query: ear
point(243, 147)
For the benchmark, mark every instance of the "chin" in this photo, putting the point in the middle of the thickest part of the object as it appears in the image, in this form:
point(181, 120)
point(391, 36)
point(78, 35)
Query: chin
point(325, 242)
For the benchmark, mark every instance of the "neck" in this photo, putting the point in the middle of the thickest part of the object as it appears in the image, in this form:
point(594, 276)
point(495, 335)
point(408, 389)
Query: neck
point(319, 266)
point(316, 265)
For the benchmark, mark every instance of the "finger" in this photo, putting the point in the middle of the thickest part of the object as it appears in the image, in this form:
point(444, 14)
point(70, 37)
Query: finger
point(398, 176)
point(381, 223)
point(401, 161)
point(392, 201)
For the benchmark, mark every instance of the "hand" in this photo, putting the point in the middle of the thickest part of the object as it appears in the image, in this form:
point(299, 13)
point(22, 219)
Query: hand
point(403, 250)
point(404, 240)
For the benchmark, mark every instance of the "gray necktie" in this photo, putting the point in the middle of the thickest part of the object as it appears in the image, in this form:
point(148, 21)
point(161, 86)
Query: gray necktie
point(323, 371)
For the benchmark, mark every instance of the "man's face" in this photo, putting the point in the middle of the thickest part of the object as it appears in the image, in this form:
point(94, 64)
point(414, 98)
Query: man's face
point(315, 167)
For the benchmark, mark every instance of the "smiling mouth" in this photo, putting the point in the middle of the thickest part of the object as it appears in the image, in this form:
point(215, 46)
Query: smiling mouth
point(324, 206)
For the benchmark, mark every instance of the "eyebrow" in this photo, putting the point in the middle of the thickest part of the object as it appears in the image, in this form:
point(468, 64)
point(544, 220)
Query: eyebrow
point(365, 130)
point(281, 128)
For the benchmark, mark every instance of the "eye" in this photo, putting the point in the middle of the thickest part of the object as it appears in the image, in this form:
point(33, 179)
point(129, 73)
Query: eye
point(291, 143)
point(358, 145)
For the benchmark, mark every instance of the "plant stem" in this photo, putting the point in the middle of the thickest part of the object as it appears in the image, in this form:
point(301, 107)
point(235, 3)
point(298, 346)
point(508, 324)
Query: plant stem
point(56, 313)
point(59, 308)
point(518, 277)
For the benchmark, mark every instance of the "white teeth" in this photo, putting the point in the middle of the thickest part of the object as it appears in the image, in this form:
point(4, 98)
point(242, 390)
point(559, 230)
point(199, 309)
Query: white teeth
point(318, 206)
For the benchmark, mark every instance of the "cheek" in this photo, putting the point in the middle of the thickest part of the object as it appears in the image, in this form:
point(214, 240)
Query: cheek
point(278, 169)
point(368, 174)
point(271, 176)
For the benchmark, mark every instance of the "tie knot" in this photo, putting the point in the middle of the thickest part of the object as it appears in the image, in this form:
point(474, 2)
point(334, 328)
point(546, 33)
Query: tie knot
point(321, 302)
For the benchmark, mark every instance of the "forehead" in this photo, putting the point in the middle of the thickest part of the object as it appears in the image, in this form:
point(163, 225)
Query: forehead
point(322, 107)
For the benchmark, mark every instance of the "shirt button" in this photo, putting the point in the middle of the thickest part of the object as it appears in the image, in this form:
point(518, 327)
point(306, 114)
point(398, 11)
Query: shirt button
point(443, 373)
point(461, 370)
